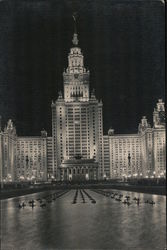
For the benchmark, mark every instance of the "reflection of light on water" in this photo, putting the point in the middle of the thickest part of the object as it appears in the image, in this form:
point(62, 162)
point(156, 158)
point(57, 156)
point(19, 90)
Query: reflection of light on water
point(108, 224)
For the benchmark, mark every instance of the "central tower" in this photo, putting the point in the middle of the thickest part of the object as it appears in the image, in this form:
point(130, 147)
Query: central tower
point(76, 78)
point(77, 126)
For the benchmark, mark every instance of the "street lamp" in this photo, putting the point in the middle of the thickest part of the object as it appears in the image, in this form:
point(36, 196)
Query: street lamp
point(161, 174)
point(52, 177)
point(70, 177)
point(87, 176)
point(41, 175)
point(21, 178)
point(154, 174)
point(32, 178)
point(9, 177)
point(104, 176)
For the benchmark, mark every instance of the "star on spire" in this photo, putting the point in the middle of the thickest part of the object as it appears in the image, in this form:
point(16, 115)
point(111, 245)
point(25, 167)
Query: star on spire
point(74, 15)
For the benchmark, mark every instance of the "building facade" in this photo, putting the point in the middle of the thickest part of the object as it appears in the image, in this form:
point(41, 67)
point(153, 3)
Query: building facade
point(140, 155)
point(31, 158)
point(8, 151)
point(23, 158)
point(125, 155)
point(77, 149)
point(77, 126)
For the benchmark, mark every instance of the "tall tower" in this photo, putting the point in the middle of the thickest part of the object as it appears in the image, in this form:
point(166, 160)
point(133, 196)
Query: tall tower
point(9, 151)
point(77, 126)
point(159, 115)
point(159, 139)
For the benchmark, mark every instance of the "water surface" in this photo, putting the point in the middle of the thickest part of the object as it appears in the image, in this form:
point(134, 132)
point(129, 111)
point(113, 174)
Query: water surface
point(108, 224)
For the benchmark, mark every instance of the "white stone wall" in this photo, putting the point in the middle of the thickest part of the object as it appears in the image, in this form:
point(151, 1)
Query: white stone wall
point(106, 157)
point(159, 151)
point(77, 126)
point(121, 146)
point(50, 170)
point(31, 158)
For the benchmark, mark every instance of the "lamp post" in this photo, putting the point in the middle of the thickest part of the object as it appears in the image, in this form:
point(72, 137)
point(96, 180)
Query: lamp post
point(154, 174)
point(70, 177)
point(115, 172)
point(52, 178)
point(9, 178)
point(135, 175)
point(162, 174)
point(124, 174)
point(21, 178)
point(87, 176)
point(41, 175)
point(129, 165)
point(104, 177)
point(148, 173)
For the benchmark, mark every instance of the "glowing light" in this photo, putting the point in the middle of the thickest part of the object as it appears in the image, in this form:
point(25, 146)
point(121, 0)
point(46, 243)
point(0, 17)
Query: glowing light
point(87, 176)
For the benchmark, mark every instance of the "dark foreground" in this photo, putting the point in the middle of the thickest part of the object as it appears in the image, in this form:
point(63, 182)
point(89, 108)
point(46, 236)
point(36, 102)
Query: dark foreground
point(84, 219)
point(9, 193)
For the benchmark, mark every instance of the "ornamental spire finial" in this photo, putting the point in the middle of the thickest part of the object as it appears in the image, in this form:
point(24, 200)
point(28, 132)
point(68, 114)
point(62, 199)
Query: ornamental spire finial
point(75, 36)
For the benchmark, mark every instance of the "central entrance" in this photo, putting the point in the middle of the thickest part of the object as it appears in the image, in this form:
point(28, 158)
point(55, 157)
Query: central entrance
point(78, 169)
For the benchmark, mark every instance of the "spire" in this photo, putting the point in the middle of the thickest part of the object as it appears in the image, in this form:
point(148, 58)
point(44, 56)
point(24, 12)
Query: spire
point(75, 36)
point(75, 22)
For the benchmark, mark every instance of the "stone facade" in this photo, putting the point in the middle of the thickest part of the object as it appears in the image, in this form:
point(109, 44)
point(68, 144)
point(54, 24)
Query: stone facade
point(8, 151)
point(78, 149)
point(77, 126)
point(31, 158)
point(141, 155)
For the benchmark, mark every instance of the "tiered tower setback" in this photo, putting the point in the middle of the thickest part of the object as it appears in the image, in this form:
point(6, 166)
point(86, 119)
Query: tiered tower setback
point(77, 123)
point(77, 149)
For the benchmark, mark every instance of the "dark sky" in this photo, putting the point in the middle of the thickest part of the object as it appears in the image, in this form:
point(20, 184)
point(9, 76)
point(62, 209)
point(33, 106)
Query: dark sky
point(123, 44)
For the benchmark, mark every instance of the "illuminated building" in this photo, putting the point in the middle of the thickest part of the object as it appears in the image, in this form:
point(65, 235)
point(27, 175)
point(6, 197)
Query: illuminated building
point(141, 155)
point(31, 158)
point(77, 149)
point(77, 126)
point(8, 139)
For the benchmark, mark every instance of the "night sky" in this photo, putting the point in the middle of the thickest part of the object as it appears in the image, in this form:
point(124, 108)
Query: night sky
point(123, 45)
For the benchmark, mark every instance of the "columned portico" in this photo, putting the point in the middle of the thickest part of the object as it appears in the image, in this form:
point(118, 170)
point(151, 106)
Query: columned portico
point(78, 170)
